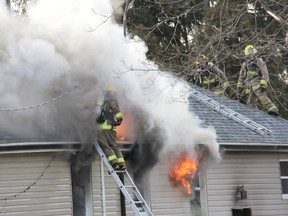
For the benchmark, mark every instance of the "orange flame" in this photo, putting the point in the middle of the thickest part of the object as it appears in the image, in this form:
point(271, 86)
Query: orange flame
point(184, 172)
point(121, 132)
point(126, 131)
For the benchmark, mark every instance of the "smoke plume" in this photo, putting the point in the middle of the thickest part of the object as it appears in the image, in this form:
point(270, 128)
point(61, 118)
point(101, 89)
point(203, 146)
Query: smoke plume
point(60, 58)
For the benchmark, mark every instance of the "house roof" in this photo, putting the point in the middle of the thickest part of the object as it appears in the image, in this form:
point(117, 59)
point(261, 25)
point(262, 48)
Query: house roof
point(231, 132)
point(9, 142)
point(6, 137)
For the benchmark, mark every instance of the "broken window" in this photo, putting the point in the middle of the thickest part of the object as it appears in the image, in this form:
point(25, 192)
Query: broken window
point(284, 178)
point(195, 197)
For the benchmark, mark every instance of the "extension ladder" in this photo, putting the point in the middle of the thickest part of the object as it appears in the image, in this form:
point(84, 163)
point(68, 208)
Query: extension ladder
point(228, 112)
point(139, 206)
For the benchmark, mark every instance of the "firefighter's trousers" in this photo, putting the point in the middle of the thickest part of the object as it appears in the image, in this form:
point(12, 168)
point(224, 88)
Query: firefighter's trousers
point(107, 141)
point(261, 96)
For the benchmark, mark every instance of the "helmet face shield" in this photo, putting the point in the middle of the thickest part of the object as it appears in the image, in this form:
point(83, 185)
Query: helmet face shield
point(110, 88)
point(200, 59)
point(250, 51)
point(198, 62)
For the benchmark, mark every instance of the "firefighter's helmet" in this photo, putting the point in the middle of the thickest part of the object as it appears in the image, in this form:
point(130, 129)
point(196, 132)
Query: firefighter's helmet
point(110, 88)
point(201, 58)
point(250, 50)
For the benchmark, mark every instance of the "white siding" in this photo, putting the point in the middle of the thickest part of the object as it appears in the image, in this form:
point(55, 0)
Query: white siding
point(32, 187)
point(110, 197)
point(165, 198)
point(260, 175)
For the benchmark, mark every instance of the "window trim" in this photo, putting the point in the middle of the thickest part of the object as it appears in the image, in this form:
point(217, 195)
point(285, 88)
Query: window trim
point(284, 196)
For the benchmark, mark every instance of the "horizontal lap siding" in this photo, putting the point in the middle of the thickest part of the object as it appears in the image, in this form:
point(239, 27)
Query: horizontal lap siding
point(167, 199)
point(260, 175)
point(49, 195)
point(112, 193)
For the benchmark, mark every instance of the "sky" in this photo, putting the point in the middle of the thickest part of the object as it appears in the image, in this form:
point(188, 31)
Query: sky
point(63, 55)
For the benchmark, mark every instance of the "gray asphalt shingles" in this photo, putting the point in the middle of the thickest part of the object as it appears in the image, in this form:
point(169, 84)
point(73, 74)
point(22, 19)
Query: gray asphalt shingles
point(230, 131)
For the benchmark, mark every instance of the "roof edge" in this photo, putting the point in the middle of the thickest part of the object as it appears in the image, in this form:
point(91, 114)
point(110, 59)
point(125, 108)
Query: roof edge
point(37, 144)
point(254, 144)
point(254, 147)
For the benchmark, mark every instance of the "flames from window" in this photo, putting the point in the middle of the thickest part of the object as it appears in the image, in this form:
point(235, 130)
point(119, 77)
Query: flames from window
point(121, 132)
point(128, 129)
point(122, 129)
point(184, 172)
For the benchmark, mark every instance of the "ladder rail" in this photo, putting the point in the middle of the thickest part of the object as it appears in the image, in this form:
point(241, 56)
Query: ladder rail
point(137, 192)
point(228, 112)
point(122, 187)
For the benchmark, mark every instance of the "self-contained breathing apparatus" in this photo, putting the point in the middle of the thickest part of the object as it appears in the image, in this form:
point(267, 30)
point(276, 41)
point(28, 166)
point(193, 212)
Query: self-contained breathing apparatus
point(106, 114)
point(253, 71)
point(205, 76)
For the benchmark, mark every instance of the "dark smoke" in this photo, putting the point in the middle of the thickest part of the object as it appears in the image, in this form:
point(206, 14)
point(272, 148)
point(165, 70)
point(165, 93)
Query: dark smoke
point(148, 145)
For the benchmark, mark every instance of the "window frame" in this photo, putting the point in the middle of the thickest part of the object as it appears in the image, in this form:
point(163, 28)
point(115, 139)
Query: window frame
point(284, 196)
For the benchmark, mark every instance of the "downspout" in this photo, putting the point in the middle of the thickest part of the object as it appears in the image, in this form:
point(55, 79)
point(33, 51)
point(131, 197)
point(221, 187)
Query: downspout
point(88, 192)
point(203, 187)
point(103, 190)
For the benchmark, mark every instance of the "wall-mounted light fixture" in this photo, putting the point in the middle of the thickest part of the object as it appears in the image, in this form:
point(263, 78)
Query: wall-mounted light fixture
point(242, 191)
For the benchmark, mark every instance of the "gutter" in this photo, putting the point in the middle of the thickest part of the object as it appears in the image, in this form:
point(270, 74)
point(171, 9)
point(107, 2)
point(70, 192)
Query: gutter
point(70, 146)
point(30, 147)
point(36, 151)
point(254, 147)
point(37, 144)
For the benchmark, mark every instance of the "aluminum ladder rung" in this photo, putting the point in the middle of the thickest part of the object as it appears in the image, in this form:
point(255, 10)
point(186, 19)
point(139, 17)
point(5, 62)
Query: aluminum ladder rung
point(119, 171)
point(232, 114)
point(140, 203)
point(129, 186)
point(228, 112)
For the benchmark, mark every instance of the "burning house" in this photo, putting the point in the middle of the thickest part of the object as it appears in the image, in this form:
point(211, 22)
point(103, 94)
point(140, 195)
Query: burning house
point(250, 177)
point(186, 158)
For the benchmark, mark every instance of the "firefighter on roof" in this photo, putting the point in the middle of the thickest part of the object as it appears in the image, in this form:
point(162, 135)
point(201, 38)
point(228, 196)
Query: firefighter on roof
point(253, 81)
point(109, 118)
point(209, 76)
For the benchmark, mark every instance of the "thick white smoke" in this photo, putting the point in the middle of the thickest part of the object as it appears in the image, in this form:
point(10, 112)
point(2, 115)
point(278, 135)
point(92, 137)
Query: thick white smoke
point(68, 43)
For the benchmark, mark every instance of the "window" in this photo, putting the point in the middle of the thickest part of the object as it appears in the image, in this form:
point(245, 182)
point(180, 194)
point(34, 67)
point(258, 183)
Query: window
point(284, 178)
point(242, 212)
point(195, 201)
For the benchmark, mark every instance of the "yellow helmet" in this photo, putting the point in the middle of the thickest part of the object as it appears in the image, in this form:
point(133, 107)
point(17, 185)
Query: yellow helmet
point(202, 57)
point(110, 88)
point(250, 49)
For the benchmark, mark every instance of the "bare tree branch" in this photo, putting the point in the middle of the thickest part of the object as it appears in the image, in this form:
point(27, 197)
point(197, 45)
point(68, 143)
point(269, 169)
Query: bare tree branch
point(272, 14)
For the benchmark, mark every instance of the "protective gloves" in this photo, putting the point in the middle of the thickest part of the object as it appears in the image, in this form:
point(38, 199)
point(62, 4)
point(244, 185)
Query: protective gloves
point(119, 121)
point(226, 84)
point(263, 84)
point(239, 90)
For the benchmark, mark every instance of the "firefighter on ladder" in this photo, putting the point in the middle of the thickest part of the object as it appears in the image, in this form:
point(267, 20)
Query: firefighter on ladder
point(209, 76)
point(253, 81)
point(109, 118)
